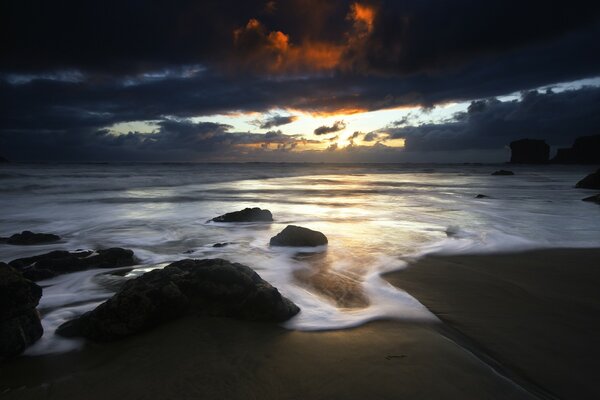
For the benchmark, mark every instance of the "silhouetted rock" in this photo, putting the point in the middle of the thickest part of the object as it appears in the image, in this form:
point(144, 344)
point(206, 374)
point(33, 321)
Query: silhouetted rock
point(297, 236)
point(246, 215)
point(59, 262)
point(220, 244)
point(200, 287)
point(529, 151)
point(20, 324)
point(592, 181)
point(502, 172)
point(585, 150)
point(481, 196)
point(593, 199)
point(3, 160)
point(27, 238)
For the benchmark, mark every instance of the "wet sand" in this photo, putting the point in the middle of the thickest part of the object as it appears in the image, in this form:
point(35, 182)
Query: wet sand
point(536, 313)
point(519, 326)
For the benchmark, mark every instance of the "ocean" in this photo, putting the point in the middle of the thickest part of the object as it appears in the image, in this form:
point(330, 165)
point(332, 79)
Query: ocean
point(376, 217)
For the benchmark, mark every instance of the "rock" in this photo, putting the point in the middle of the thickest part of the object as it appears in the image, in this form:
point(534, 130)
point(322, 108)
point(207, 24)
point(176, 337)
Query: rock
point(529, 151)
point(593, 199)
point(212, 287)
point(3, 160)
point(59, 262)
point(246, 215)
point(220, 244)
point(592, 181)
point(481, 196)
point(298, 236)
point(585, 150)
point(20, 324)
point(27, 238)
point(502, 172)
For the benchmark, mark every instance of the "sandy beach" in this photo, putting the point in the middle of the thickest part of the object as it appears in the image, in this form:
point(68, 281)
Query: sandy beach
point(518, 326)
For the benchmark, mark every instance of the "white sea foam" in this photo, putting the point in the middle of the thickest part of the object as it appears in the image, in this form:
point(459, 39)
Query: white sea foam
point(374, 216)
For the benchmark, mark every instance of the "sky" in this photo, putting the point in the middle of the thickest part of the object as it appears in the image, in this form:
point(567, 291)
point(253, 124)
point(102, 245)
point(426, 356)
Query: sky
point(295, 80)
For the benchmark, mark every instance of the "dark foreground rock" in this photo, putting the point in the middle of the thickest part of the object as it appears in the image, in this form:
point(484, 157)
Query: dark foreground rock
point(20, 324)
point(593, 199)
point(246, 215)
point(529, 151)
point(59, 262)
point(27, 238)
point(202, 287)
point(592, 181)
point(502, 172)
point(298, 236)
point(585, 150)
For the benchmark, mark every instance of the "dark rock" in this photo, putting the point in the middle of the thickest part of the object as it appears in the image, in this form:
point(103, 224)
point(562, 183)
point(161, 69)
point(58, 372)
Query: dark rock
point(481, 196)
point(502, 172)
point(220, 244)
point(202, 287)
point(20, 324)
point(27, 238)
point(3, 160)
point(593, 199)
point(592, 181)
point(60, 262)
point(298, 236)
point(529, 151)
point(246, 215)
point(585, 150)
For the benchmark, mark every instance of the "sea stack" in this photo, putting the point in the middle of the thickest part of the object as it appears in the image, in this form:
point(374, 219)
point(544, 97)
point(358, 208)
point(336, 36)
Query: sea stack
point(585, 150)
point(529, 151)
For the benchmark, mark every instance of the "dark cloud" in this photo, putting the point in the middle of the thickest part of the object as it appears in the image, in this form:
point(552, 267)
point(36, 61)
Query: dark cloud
point(336, 127)
point(274, 121)
point(491, 124)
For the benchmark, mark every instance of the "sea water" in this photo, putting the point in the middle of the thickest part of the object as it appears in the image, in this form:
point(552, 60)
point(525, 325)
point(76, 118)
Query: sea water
point(375, 216)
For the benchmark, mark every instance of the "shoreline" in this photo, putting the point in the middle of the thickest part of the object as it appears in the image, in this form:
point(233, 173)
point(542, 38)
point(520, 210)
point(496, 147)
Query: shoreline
point(513, 327)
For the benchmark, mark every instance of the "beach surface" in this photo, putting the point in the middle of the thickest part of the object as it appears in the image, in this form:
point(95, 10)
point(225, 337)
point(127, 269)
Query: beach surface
point(518, 326)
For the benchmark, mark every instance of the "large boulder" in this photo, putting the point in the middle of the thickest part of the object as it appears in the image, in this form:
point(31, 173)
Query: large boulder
point(297, 236)
point(59, 262)
point(502, 172)
point(529, 151)
point(246, 215)
point(592, 181)
point(27, 238)
point(20, 324)
point(585, 150)
point(212, 287)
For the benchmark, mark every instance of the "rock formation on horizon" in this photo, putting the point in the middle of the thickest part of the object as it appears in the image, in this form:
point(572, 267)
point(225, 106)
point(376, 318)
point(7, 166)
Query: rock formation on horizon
point(585, 150)
point(529, 151)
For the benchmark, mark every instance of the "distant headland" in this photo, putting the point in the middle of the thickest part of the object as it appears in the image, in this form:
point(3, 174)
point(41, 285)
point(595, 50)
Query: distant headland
point(585, 150)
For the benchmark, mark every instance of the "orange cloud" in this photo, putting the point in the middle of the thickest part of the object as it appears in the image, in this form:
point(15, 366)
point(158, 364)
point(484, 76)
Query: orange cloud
point(274, 51)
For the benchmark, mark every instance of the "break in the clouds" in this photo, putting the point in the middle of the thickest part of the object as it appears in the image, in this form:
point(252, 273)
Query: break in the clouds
point(71, 71)
point(336, 127)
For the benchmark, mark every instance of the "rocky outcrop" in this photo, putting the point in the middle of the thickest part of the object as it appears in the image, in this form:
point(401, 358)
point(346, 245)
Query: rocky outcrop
point(201, 287)
point(246, 215)
point(502, 172)
point(529, 151)
point(20, 324)
point(27, 238)
point(592, 181)
point(585, 150)
point(593, 199)
point(59, 262)
point(297, 236)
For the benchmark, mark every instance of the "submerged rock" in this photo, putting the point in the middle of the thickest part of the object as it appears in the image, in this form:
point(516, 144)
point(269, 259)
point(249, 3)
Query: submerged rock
point(246, 215)
point(27, 238)
point(593, 199)
point(20, 324)
point(214, 287)
point(481, 196)
point(298, 236)
point(220, 244)
point(59, 262)
point(502, 172)
point(592, 181)
point(529, 151)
